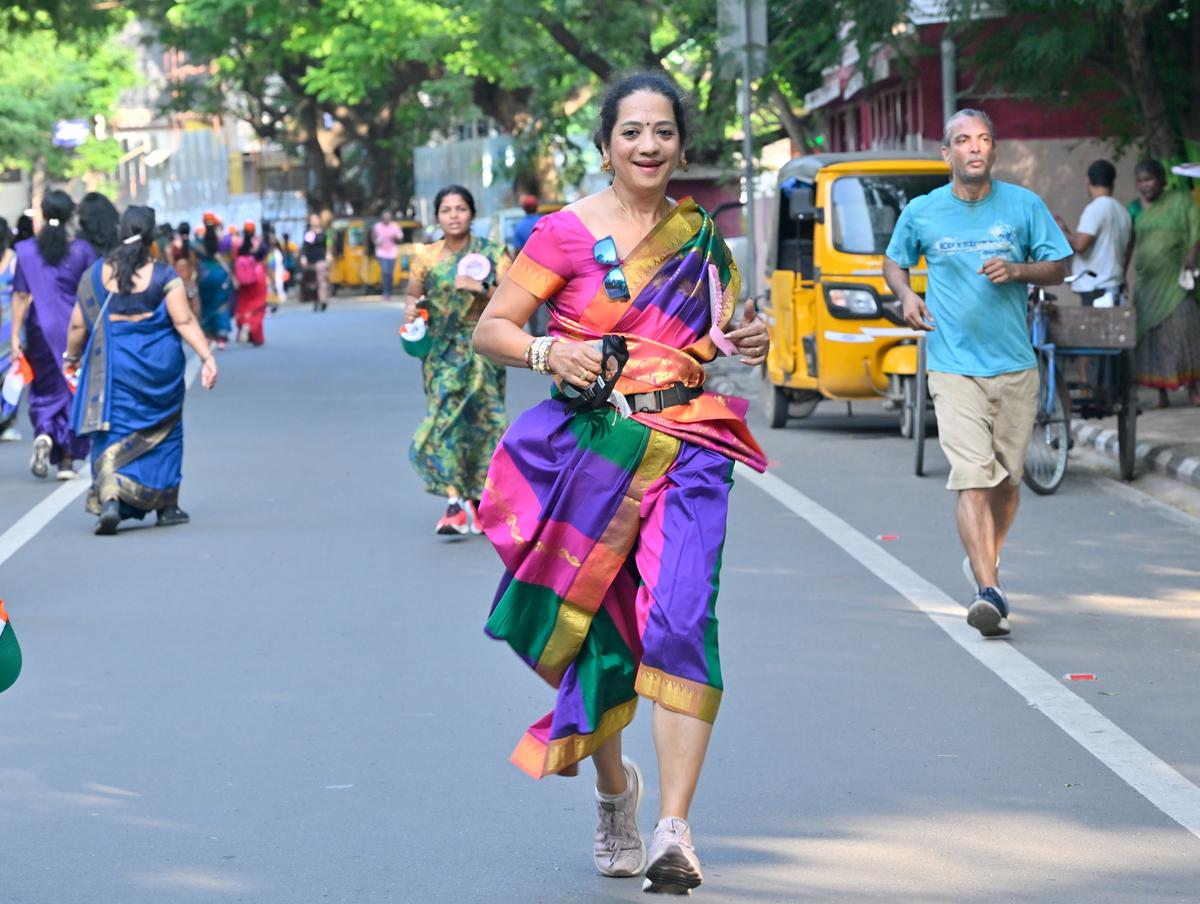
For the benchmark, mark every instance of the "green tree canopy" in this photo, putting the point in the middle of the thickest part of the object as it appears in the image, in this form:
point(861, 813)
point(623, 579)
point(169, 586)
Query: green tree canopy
point(44, 78)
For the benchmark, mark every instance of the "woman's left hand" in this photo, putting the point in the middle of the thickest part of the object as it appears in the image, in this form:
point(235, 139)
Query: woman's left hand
point(208, 373)
point(751, 338)
point(469, 285)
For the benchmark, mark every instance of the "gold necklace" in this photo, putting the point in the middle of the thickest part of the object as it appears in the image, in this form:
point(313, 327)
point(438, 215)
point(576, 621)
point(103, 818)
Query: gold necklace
point(625, 210)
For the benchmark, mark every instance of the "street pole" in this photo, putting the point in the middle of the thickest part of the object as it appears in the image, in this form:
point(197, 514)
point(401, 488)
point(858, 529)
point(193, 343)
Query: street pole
point(748, 153)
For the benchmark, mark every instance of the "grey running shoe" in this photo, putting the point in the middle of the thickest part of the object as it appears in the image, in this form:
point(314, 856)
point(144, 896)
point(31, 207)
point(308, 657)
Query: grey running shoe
point(674, 868)
point(40, 463)
point(618, 850)
point(66, 470)
point(989, 613)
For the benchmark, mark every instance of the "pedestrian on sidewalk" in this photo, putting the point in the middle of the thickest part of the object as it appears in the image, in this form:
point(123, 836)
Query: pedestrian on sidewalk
point(314, 285)
point(464, 391)
point(386, 234)
point(251, 278)
point(611, 527)
point(1166, 242)
point(985, 241)
point(124, 348)
point(1103, 240)
point(47, 274)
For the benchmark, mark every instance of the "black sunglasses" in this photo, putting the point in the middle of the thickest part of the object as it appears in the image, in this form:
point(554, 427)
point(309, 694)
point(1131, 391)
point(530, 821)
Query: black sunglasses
point(604, 252)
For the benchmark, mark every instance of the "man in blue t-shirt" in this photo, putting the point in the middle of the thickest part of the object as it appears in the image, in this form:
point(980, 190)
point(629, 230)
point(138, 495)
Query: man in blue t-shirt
point(984, 243)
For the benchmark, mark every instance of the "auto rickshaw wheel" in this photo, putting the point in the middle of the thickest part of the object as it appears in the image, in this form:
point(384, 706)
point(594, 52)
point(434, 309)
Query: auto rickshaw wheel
point(775, 402)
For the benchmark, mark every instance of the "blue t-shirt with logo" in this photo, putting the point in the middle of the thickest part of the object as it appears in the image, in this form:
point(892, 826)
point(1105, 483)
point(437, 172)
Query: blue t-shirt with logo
point(981, 329)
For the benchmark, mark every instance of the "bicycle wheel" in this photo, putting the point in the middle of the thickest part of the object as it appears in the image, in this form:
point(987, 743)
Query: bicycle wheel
point(908, 405)
point(1046, 455)
point(1127, 415)
point(919, 412)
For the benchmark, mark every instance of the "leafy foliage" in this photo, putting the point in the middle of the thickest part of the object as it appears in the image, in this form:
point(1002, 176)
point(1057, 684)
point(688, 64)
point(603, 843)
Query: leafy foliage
point(45, 78)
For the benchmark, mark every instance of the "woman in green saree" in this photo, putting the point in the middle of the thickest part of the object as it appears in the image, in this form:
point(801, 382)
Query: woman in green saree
point(1166, 240)
point(451, 281)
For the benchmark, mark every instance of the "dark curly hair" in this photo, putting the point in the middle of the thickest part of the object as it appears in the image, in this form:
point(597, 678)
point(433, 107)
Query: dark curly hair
point(625, 85)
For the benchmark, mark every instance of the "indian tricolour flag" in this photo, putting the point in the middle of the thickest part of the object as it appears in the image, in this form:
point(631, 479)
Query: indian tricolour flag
point(10, 652)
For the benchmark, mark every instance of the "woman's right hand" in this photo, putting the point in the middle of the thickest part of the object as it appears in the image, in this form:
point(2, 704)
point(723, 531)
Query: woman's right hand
point(410, 308)
point(578, 363)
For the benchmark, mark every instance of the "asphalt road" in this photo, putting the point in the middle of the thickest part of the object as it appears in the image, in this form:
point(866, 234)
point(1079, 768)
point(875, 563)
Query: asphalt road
point(291, 699)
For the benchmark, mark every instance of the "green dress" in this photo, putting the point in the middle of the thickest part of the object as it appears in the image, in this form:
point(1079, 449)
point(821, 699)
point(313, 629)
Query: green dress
point(1168, 320)
point(464, 391)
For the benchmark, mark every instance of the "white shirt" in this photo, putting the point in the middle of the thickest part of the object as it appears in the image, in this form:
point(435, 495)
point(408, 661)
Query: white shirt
point(1108, 220)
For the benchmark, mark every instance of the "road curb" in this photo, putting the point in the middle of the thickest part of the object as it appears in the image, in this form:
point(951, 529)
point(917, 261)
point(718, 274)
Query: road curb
point(1162, 458)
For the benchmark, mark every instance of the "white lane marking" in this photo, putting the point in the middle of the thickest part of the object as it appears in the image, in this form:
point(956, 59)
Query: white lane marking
point(1160, 784)
point(29, 524)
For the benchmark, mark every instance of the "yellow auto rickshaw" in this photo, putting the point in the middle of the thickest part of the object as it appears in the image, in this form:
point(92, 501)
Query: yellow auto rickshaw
point(837, 332)
point(353, 264)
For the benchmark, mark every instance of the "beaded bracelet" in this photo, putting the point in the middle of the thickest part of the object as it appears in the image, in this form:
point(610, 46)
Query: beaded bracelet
point(537, 354)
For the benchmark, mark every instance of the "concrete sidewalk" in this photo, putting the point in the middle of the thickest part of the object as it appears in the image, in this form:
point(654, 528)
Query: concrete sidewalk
point(1168, 439)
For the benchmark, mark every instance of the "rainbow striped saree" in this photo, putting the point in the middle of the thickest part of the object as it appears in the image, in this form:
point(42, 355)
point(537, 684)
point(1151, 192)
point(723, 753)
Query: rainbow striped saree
point(611, 529)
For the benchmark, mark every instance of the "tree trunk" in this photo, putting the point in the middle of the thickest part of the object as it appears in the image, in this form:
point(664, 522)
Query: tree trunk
point(791, 123)
point(324, 178)
point(37, 183)
point(1147, 88)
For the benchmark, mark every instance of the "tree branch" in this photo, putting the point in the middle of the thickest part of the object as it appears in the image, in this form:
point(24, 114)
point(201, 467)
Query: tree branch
point(571, 44)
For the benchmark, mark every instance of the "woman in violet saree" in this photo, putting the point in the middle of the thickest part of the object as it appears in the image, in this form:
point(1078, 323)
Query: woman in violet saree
point(47, 272)
point(611, 527)
point(132, 313)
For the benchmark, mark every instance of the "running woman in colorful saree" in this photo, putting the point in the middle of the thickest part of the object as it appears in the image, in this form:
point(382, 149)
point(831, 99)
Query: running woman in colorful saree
point(464, 391)
point(611, 526)
point(132, 313)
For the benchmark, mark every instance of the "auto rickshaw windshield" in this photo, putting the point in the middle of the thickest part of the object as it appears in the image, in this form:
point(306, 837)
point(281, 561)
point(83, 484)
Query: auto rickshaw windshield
point(866, 208)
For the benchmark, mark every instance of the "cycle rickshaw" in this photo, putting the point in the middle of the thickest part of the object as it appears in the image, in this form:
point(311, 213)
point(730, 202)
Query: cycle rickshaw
point(1104, 338)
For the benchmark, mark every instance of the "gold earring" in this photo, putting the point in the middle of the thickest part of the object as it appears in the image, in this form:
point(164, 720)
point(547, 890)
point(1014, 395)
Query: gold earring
point(606, 165)
point(683, 164)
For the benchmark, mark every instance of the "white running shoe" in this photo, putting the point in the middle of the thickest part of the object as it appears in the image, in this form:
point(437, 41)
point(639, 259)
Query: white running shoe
point(674, 868)
point(618, 850)
point(39, 464)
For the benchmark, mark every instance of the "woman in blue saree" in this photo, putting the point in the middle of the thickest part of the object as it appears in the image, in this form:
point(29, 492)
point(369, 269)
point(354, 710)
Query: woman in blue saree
point(132, 313)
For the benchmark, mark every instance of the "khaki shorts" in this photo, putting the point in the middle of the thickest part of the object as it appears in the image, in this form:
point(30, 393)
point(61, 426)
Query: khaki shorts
point(984, 425)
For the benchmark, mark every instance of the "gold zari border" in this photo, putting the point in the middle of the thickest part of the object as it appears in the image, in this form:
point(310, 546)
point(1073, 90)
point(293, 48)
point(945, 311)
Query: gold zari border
point(108, 484)
point(679, 694)
point(539, 759)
